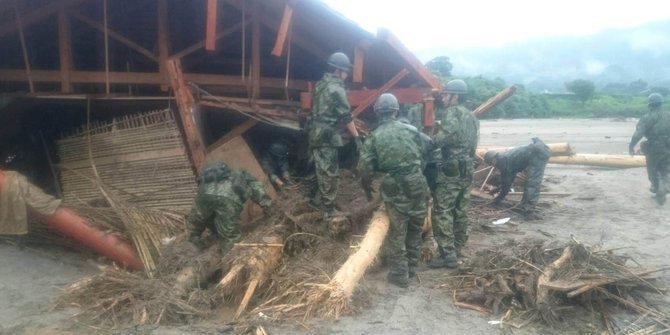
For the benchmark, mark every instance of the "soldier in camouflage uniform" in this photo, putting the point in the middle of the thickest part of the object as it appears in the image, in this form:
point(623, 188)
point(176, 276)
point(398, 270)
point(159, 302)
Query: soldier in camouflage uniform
point(394, 148)
point(221, 194)
point(275, 164)
point(655, 126)
point(330, 110)
point(457, 136)
point(532, 159)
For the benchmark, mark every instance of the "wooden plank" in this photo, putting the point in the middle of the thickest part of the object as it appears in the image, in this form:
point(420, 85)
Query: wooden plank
point(385, 88)
point(359, 57)
point(186, 104)
point(163, 39)
point(495, 100)
point(428, 115)
point(256, 50)
point(64, 50)
point(36, 15)
point(24, 49)
point(106, 33)
point(415, 64)
point(282, 32)
point(235, 132)
point(148, 78)
point(356, 97)
point(112, 34)
point(197, 46)
point(237, 154)
point(210, 30)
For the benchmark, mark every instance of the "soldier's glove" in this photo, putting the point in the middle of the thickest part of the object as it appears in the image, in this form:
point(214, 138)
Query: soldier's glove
point(631, 150)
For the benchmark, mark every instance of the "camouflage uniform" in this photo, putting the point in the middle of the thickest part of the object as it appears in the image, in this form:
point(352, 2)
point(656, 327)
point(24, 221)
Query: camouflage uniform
point(394, 148)
point(532, 159)
point(330, 109)
point(655, 126)
point(457, 138)
point(222, 193)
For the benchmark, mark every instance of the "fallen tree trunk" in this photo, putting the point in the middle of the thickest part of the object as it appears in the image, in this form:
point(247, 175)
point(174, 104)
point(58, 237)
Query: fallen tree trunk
point(333, 298)
point(542, 296)
point(557, 149)
point(613, 161)
point(492, 102)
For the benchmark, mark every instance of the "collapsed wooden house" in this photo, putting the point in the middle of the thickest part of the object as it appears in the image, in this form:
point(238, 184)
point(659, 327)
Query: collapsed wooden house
point(222, 66)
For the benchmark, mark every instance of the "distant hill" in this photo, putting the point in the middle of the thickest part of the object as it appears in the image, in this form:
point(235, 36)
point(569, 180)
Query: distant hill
point(615, 56)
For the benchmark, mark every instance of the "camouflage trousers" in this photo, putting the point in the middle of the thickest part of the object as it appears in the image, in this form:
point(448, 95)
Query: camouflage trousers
point(531, 187)
point(327, 167)
point(450, 211)
point(405, 199)
point(658, 166)
point(218, 214)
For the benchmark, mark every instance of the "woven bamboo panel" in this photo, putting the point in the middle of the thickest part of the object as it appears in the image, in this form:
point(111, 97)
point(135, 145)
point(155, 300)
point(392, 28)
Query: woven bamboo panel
point(141, 158)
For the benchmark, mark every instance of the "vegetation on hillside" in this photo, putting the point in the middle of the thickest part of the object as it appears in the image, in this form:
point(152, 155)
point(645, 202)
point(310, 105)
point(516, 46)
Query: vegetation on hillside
point(581, 98)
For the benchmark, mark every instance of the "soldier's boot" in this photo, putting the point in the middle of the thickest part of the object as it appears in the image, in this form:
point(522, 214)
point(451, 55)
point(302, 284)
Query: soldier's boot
point(660, 198)
point(446, 259)
point(411, 273)
point(20, 241)
point(400, 281)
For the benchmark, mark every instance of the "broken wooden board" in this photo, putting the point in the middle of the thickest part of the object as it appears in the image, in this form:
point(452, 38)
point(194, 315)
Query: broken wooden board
point(237, 154)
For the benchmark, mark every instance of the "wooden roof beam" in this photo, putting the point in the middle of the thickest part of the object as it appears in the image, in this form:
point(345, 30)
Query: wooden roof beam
point(282, 32)
point(210, 27)
point(385, 88)
point(112, 34)
point(36, 15)
point(197, 46)
point(414, 63)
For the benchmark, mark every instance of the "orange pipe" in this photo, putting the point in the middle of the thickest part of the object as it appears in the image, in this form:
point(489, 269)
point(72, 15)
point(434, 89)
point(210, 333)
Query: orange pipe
point(69, 223)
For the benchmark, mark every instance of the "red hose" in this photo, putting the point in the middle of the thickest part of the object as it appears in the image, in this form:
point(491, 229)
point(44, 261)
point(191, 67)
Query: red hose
point(69, 223)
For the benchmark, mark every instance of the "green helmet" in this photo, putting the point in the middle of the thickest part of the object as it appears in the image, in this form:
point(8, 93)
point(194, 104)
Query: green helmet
point(489, 156)
point(455, 86)
point(655, 100)
point(213, 173)
point(340, 61)
point(279, 149)
point(386, 103)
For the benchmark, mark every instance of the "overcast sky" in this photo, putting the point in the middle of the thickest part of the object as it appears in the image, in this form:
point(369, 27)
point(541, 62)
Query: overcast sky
point(429, 24)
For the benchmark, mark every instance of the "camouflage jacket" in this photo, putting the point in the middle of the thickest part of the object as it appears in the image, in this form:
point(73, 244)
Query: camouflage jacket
point(237, 186)
point(655, 126)
point(458, 133)
point(516, 160)
point(429, 152)
point(330, 109)
point(393, 148)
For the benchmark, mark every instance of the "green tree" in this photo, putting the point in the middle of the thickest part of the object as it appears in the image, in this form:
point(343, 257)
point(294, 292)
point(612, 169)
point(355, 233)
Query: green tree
point(440, 66)
point(583, 89)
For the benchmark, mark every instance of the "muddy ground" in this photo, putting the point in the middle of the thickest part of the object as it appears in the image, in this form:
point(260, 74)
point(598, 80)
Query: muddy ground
point(612, 207)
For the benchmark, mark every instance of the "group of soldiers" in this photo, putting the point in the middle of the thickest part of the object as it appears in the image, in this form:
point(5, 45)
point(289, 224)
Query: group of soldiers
point(417, 168)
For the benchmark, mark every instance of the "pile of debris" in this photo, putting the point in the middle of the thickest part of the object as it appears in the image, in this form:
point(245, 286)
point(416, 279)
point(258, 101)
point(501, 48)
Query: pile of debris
point(271, 271)
point(545, 281)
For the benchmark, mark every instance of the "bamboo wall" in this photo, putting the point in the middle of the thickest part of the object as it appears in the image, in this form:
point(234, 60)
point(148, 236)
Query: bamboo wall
point(141, 158)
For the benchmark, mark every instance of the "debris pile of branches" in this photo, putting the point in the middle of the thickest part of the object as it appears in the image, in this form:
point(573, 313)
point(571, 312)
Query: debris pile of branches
point(542, 281)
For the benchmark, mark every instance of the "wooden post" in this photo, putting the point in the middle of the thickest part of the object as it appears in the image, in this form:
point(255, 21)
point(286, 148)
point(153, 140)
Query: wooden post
point(187, 106)
point(256, 51)
point(495, 100)
point(282, 32)
point(210, 31)
point(65, 50)
point(359, 57)
point(163, 40)
point(104, 17)
point(26, 60)
point(428, 117)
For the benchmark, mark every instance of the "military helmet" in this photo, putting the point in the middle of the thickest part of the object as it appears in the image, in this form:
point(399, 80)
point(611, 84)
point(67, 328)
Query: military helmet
point(213, 173)
point(386, 103)
point(340, 61)
point(655, 99)
point(489, 156)
point(279, 149)
point(455, 86)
